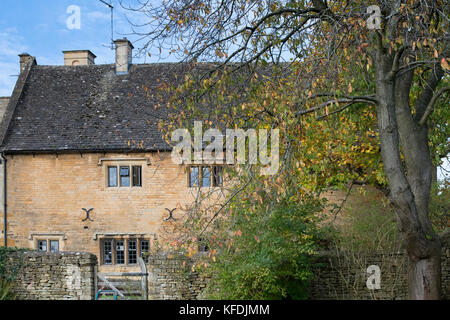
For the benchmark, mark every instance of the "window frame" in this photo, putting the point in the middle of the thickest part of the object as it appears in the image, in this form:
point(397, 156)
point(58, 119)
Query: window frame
point(126, 242)
point(117, 251)
point(102, 251)
point(47, 242)
point(135, 176)
point(135, 250)
point(120, 176)
point(200, 168)
point(50, 245)
point(214, 175)
point(133, 184)
point(109, 177)
point(38, 245)
point(141, 251)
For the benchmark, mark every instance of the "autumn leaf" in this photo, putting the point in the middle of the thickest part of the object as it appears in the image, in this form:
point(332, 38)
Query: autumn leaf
point(444, 64)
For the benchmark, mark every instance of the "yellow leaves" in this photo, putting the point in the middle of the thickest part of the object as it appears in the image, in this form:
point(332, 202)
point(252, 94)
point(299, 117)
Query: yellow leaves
point(350, 88)
point(369, 64)
point(191, 251)
point(444, 64)
point(436, 54)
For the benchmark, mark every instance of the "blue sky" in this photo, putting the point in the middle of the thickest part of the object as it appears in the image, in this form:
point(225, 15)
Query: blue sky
point(39, 28)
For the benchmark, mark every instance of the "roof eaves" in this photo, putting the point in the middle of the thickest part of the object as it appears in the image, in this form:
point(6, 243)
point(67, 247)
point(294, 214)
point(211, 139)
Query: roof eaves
point(15, 97)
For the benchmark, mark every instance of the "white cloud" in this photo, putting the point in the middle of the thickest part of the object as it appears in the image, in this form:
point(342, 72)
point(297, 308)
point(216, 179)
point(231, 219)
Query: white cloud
point(11, 44)
point(97, 15)
point(444, 170)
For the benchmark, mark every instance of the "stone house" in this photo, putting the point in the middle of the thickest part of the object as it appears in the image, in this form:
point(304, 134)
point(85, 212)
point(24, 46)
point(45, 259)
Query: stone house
point(85, 166)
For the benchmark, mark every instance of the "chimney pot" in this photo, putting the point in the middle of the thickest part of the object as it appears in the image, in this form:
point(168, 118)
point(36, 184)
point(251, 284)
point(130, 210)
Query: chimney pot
point(124, 53)
point(24, 59)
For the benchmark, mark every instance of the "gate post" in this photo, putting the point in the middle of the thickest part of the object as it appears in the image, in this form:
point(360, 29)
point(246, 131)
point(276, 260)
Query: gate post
point(144, 279)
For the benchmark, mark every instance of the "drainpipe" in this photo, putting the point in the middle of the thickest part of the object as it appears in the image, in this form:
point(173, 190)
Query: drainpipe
point(4, 200)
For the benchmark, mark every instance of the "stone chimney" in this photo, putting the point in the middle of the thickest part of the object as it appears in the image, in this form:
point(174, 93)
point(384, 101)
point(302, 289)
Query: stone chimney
point(124, 53)
point(79, 58)
point(24, 59)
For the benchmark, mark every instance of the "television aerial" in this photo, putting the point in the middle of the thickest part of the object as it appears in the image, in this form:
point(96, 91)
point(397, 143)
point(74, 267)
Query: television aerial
point(112, 21)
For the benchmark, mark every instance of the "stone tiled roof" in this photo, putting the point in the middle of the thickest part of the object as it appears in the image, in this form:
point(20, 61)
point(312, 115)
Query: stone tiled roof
point(90, 108)
point(3, 104)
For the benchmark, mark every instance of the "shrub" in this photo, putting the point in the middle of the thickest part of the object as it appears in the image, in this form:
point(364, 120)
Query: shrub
point(266, 254)
point(439, 209)
point(8, 271)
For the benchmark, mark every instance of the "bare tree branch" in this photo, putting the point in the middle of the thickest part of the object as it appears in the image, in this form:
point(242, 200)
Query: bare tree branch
point(430, 106)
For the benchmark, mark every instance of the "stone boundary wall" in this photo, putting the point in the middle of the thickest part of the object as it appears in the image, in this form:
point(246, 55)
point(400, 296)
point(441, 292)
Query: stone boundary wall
point(54, 276)
point(343, 275)
point(169, 279)
point(337, 276)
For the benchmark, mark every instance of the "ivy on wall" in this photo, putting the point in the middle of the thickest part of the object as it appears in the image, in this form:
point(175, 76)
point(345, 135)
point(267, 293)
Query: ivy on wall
point(8, 270)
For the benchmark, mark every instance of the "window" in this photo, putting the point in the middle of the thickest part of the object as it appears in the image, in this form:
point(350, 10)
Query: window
point(132, 251)
point(42, 245)
point(124, 176)
point(54, 246)
point(145, 248)
point(137, 176)
point(217, 176)
point(112, 177)
point(193, 177)
point(121, 251)
point(107, 251)
point(205, 176)
point(48, 245)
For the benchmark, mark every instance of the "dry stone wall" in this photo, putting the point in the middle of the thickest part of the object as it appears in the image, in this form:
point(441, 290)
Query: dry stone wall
point(170, 279)
point(54, 276)
point(337, 275)
point(343, 275)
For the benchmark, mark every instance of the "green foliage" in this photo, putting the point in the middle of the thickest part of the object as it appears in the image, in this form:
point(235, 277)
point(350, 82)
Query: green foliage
point(265, 253)
point(8, 271)
point(5, 290)
point(370, 227)
point(439, 209)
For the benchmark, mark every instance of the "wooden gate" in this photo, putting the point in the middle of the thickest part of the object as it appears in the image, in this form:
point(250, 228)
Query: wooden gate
point(121, 285)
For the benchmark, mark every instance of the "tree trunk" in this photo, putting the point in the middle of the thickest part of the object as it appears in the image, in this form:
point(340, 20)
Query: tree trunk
point(409, 179)
point(424, 278)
